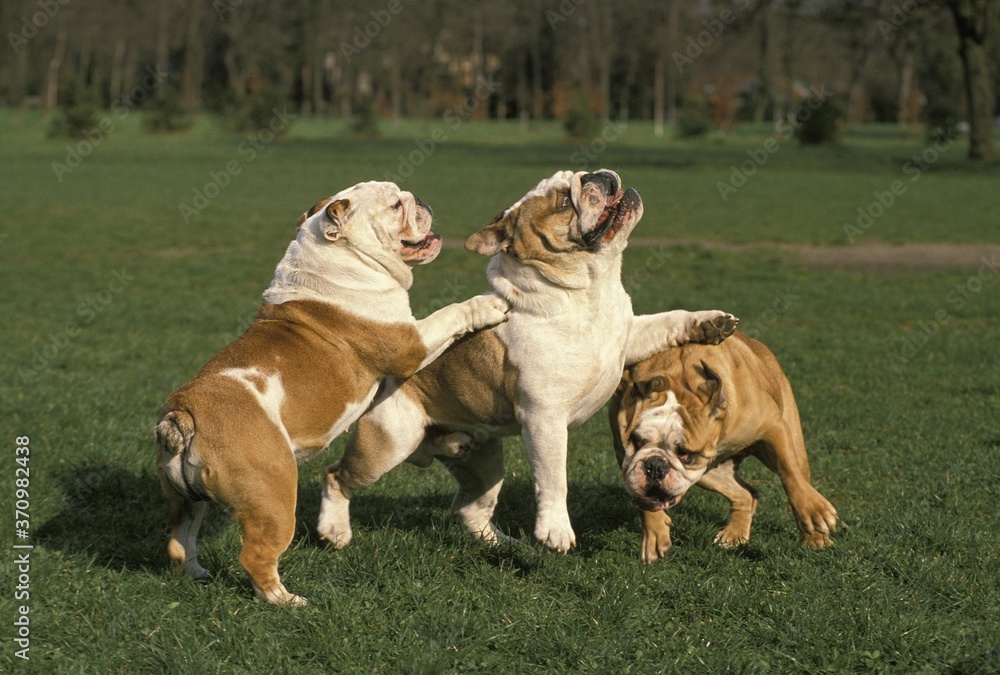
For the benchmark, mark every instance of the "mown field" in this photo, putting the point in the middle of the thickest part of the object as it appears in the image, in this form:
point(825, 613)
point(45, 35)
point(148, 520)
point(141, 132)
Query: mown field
point(114, 294)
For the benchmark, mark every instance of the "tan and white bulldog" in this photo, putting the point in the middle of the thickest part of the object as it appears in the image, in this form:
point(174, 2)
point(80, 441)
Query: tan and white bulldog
point(556, 257)
point(690, 415)
point(335, 322)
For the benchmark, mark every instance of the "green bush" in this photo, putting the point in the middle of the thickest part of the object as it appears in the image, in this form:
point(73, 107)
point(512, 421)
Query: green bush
point(77, 113)
point(941, 123)
point(259, 111)
point(166, 114)
point(818, 121)
point(694, 119)
point(581, 123)
point(365, 120)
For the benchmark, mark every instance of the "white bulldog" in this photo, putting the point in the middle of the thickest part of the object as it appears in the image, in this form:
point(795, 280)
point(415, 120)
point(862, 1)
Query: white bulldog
point(334, 324)
point(556, 258)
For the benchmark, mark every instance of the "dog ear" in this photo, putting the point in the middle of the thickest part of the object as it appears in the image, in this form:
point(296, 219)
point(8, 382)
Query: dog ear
point(712, 388)
point(313, 210)
point(649, 387)
point(492, 239)
point(336, 213)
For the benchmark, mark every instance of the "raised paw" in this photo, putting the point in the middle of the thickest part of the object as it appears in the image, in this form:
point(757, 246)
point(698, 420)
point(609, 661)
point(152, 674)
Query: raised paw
point(712, 327)
point(487, 310)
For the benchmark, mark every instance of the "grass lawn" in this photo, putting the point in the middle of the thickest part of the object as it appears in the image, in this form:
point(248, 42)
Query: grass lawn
point(115, 295)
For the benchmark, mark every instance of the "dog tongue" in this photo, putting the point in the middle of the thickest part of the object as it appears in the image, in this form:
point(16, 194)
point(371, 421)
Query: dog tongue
point(610, 204)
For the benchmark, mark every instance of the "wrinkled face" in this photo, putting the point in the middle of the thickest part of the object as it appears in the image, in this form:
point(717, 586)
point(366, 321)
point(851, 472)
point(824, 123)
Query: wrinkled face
point(669, 425)
point(376, 218)
point(568, 213)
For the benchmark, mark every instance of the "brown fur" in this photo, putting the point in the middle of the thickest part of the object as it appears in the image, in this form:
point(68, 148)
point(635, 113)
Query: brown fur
point(753, 414)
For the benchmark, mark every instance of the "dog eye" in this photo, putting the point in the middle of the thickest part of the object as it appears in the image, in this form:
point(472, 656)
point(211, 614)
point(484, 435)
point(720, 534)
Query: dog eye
point(564, 202)
point(685, 456)
point(397, 206)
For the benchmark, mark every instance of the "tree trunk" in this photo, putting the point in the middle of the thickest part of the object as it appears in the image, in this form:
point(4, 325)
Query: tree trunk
point(52, 88)
point(905, 87)
point(672, 80)
point(116, 85)
point(537, 85)
point(194, 58)
point(974, 19)
point(764, 67)
point(659, 75)
point(162, 42)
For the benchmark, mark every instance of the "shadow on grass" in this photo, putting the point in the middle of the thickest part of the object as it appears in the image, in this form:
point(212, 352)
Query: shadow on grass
point(112, 514)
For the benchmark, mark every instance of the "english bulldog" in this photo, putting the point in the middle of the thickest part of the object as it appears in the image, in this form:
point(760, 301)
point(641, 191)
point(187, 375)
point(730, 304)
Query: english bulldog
point(689, 416)
point(334, 323)
point(556, 257)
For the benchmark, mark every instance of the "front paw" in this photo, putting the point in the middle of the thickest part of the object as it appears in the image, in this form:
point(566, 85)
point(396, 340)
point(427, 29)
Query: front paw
point(817, 522)
point(486, 311)
point(712, 327)
point(655, 536)
point(555, 533)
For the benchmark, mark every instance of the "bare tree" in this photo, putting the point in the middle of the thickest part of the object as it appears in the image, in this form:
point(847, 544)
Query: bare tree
point(975, 20)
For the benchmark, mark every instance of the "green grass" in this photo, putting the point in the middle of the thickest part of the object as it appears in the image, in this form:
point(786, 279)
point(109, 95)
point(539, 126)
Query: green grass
point(908, 452)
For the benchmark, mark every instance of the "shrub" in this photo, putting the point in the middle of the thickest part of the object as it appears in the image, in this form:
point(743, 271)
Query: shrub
point(694, 119)
point(581, 123)
point(257, 112)
point(77, 113)
point(365, 120)
point(818, 121)
point(166, 114)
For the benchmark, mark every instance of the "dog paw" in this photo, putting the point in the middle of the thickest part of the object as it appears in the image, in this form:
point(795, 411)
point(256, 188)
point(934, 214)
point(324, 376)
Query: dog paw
point(487, 310)
point(729, 538)
point(817, 522)
point(555, 533)
point(655, 536)
point(712, 327)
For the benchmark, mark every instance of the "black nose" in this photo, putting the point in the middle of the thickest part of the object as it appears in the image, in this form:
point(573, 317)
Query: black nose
point(423, 206)
point(656, 469)
point(609, 184)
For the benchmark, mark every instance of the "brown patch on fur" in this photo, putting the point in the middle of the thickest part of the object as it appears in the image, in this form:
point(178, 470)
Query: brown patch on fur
point(313, 210)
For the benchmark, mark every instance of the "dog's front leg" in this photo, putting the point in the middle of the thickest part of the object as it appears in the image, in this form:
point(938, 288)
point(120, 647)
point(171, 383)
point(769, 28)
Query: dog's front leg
point(652, 333)
point(545, 439)
point(439, 330)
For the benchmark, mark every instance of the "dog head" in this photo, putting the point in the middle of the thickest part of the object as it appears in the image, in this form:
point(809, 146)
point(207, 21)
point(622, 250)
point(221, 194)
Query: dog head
point(389, 226)
point(566, 219)
point(666, 418)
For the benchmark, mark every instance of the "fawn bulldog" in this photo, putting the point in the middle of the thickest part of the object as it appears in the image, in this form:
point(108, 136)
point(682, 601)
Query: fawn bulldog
point(335, 322)
point(556, 257)
point(690, 415)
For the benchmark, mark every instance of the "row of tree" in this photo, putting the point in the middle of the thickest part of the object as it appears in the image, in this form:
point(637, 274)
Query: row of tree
point(900, 60)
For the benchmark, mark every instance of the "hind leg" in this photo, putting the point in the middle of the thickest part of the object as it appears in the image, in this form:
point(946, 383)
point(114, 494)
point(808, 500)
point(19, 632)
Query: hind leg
point(267, 518)
point(185, 521)
point(480, 476)
point(384, 438)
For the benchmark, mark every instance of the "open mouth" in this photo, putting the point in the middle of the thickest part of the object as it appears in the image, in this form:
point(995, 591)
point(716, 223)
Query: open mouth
point(423, 250)
point(657, 502)
point(612, 218)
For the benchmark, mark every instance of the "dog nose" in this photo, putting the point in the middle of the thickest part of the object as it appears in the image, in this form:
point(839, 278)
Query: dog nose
point(607, 180)
point(423, 206)
point(656, 469)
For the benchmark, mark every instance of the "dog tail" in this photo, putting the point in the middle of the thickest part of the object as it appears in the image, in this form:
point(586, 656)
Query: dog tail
point(174, 435)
